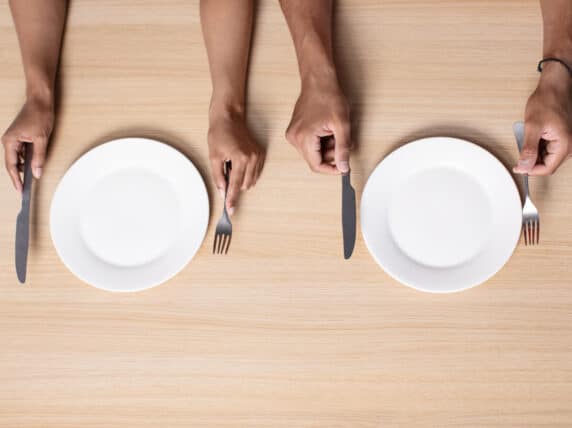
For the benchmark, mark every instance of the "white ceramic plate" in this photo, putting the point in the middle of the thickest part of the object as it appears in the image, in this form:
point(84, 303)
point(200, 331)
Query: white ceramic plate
point(441, 214)
point(129, 214)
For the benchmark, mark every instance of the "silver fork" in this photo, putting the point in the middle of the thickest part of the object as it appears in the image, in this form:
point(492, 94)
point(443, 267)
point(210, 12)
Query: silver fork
point(530, 217)
point(223, 232)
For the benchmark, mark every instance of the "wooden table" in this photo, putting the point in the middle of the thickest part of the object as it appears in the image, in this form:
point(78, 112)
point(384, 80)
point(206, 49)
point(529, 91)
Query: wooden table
point(284, 333)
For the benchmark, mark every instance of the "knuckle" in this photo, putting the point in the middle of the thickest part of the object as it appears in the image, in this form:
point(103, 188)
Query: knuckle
point(528, 151)
point(293, 134)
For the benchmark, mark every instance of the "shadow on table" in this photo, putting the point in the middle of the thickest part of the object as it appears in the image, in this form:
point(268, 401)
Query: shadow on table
point(350, 67)
point(256, 119)
point(37, 206)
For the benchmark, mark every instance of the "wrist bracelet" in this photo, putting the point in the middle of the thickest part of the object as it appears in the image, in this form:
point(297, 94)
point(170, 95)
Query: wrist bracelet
point(558, 60)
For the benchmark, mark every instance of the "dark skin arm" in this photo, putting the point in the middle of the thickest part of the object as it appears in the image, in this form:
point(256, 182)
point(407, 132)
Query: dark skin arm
point(39, 25)
point(320, 125)
point(227, 28)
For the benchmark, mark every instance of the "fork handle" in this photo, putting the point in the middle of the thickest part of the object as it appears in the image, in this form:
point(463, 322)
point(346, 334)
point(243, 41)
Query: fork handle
point(525, 181)
point(227, 166)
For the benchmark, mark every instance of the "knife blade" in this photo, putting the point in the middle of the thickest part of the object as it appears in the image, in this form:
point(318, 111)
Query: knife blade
point(23, 219)
point(348, 216)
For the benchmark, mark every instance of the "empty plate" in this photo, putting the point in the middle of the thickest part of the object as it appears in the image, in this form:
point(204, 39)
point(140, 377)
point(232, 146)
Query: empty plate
point(441, 214)
point(129, 214)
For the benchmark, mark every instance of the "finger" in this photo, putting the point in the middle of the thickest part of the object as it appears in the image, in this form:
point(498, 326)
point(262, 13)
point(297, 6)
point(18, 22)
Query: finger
point(313, 155)
point(11, 161)
point(328, 156)
point(249, 175)
point(529, 152)
point(39, 156)
point(217, 166)
point(551, 161)
point(553, 147)
point(317, 164)
point(342, 147)
point(260, 165)
point(234, 185)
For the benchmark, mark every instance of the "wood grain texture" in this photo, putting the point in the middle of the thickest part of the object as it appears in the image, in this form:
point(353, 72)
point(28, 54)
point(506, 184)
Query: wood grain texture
point(284, 333)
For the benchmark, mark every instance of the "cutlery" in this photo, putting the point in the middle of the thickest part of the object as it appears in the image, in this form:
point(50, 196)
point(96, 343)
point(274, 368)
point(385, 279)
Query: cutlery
point(23, 219)
point(530, 217)
point(348, 215)
point(223, 232)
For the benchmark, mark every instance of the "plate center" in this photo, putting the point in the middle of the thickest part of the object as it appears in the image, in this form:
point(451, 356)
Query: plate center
point(130, 217)
point(440, 217)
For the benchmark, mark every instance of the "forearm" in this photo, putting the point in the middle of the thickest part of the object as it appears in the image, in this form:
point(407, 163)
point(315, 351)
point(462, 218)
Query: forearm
point(557, 20)
point(310, 24)
point(39, 25)
point(227, 28)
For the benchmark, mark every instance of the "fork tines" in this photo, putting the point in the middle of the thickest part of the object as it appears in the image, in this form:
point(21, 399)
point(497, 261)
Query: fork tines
point(221, 243)
point(531, 232)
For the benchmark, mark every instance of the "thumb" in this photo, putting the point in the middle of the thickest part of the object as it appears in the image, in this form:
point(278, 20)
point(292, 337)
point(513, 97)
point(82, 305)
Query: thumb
point(39, 156)
point(342, 147)
point(529, 151)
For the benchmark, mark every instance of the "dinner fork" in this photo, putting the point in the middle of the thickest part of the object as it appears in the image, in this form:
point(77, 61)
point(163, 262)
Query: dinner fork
point(223, 232)
point(530, 217)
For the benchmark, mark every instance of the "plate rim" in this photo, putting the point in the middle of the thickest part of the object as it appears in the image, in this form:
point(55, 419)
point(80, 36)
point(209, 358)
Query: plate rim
point(134, 140)
point(395, 275)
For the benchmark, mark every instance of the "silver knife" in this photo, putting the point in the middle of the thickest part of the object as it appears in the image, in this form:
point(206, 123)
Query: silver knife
point(23, 220)
point(348, 216)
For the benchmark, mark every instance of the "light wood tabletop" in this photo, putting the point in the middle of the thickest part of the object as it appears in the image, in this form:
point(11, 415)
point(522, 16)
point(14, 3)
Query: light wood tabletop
point(283, 332)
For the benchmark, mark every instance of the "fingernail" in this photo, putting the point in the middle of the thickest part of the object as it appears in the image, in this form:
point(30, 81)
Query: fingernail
point(344, 166)
point(37, 172)
point(523, 163)
point(221, 193)
point(231, 211)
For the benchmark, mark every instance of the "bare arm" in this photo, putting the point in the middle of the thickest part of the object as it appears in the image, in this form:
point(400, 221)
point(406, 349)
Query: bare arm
point(548, 115)
point(227, 28)
point(39, 24)
point(320, 125)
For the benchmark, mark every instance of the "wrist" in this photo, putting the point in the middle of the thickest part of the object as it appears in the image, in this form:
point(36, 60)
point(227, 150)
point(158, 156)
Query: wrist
point(558, 45)
point(40, 92)
point(315, 59)
point(226, 108)
point(322, 75)
point(556, 76)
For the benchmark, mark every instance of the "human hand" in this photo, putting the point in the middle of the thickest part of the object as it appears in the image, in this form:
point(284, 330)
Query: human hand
point(34, 125)
point(230, 140)
point(320, 127)
point(548, 123)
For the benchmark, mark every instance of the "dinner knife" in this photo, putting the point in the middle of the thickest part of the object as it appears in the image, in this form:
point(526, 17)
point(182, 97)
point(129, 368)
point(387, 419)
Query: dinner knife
point(23, 220)
point(348, 216)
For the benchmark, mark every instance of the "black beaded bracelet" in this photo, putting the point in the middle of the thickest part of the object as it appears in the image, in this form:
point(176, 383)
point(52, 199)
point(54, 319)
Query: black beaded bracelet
point(558, 60)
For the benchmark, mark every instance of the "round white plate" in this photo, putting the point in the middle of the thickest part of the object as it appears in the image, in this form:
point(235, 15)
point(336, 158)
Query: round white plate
point(129, 214)
point(441, 214)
